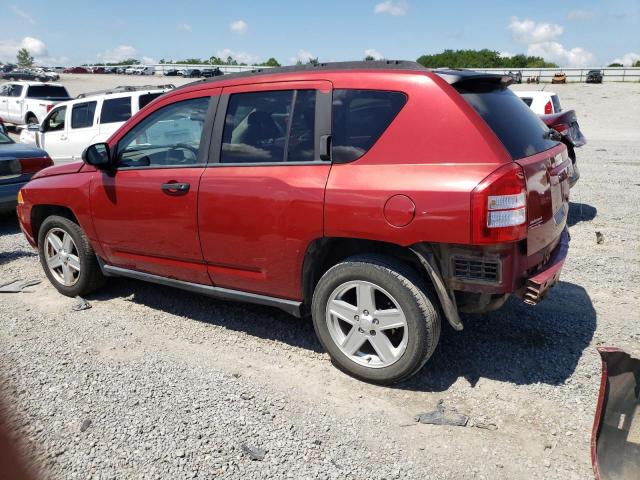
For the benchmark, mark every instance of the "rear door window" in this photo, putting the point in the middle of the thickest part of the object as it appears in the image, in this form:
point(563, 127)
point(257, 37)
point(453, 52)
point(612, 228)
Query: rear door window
point(82, 115)
point(556, 104)
point(266, 127)
point(116, 110)
point(519, 129)
point(359, 117)
point(527, 100)
point(15, 90)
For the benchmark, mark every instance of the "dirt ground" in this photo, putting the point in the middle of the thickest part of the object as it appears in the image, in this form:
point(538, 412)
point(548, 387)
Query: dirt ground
point(528, 377)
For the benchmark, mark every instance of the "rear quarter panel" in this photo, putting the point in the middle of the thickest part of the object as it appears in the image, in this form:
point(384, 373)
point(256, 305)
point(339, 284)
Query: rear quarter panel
point(435, 152)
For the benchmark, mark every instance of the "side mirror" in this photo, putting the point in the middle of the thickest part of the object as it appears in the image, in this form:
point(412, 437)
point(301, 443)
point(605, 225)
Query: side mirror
point(98, 155)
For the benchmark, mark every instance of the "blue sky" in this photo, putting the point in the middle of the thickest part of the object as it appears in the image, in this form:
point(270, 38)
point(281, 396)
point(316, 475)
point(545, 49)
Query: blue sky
point(71, 32)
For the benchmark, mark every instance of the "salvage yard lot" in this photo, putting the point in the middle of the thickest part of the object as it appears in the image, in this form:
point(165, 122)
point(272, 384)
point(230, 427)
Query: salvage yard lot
point(165, 382)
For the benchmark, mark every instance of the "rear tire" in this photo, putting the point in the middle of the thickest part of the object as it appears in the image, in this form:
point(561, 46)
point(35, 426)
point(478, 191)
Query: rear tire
point(67, 257)
point(377, 318)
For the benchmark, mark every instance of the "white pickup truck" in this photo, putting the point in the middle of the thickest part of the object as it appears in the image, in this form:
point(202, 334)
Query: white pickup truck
point(93, 117)
point(23, 103)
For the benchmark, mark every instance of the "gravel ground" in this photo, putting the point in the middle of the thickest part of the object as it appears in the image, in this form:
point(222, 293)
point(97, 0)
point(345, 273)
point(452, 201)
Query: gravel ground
point(158, 383)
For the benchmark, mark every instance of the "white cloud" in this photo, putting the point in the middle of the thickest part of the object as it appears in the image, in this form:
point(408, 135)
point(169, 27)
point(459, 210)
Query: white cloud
point(372, 52)
point(628, 59)
point(240, 57)
point(392, 7)
point(555, 52)
point(579, 15)
point(149, 61)
point(23, 15)
point(528, 31)
point(505, 54)
point(239, 26)
point(183, 27)
point(118, 54)
point(9, 48)
point(302, 56)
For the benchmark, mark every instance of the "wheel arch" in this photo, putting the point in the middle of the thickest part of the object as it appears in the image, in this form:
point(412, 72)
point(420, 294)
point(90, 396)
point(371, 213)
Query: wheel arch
point(39, 214)
point(30, 114)
point(324, 253)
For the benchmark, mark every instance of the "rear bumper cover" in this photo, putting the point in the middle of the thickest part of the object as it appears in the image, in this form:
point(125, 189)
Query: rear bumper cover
point(538, 285)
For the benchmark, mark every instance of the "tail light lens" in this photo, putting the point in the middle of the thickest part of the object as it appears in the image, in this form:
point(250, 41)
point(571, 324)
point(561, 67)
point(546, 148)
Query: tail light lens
point(560, 127)
point(33, 165)
point(499, 207)
point(49, 107)
point(548, 108)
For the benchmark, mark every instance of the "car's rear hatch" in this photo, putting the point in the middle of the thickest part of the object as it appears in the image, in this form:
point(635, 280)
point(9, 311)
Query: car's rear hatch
point(544, 161)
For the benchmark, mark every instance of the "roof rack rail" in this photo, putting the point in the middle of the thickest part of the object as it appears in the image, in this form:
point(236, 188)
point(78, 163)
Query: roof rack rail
point(127, 88)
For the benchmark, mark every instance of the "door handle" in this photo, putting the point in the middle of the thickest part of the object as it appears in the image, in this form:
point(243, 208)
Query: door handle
point(63, 137)
point(175, 188)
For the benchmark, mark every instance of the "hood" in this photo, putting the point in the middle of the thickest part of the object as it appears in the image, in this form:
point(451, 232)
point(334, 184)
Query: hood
point(20, 150)
point(62, 169)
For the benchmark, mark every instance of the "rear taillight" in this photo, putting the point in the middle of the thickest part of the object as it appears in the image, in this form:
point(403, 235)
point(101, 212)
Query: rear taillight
point(560, 127)
point(33, 165)
point(499, 207)
point(548, 108)
point(49, 107)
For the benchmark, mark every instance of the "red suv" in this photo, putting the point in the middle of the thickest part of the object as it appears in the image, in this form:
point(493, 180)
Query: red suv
point(376, 196)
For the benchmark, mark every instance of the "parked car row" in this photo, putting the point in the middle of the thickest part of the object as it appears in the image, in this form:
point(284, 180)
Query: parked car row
point(193, 72)
point(593, 76)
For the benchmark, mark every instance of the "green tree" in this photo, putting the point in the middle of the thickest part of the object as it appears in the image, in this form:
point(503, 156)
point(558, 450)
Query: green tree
point(637, 64)
point(484, 58)
point(615, 64)
point(369, 58)
point(24, 58)
point(272, 62)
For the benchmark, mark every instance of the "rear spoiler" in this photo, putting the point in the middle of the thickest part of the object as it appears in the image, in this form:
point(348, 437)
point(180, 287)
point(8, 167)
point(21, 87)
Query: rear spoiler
point(463, 79)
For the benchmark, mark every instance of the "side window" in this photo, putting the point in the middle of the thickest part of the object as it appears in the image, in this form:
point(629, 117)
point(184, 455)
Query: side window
point(169, 136)
point(15, 90)
point(359, 117)
point(273, 126)
point(4, 90)
point(146, 99)
point(116, 110)
point(556, 104)
point(527, 100)
point(82, 115)
point(55, 121)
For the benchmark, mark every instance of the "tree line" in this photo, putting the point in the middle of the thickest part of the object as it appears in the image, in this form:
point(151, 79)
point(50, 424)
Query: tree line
point(484, 58)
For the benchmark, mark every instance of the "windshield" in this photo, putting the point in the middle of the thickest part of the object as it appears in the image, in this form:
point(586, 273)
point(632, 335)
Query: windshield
point(4, 138)
point(47, 91)
point(519, 129)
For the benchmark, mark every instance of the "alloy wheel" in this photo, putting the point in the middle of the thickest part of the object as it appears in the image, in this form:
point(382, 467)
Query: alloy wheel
point(61, 255)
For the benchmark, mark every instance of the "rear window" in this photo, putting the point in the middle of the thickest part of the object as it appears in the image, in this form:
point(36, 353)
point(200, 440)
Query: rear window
point(116, 110)
point(82, 115)
point(47, 91)
point(146, 99)
point(556, 104)
point(359, 117)
point(527, 100)
point(519, 129)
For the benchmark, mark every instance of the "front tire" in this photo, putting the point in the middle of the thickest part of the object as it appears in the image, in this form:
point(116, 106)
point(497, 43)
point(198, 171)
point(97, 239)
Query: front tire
point(377, 319)
point(67, 257)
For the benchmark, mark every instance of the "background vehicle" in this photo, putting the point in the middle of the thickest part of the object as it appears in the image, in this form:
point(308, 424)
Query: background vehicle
point(210, 72)
point(566, 124)
point(3, 128)
point(98, 70)
point(533, 79)
point(28, 102)
point(72, 126)
point(23, 74)
point(191, 72)
point(321, 189)
point(541, 102)
point(517, 76)
point(559, 78)
point(18, 163)
point(171, 72)
point(76, 70)
point(594, 76)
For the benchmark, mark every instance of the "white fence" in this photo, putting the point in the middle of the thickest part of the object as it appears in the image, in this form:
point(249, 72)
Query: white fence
point(611, 74)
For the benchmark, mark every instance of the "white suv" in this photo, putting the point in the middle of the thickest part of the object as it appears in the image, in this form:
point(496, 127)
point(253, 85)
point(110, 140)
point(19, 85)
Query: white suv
point(541, 102)
point(72, 126)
